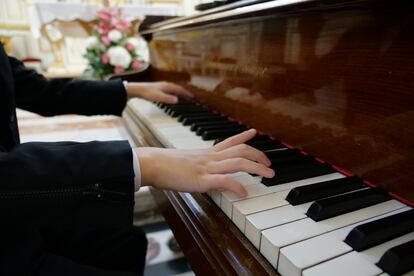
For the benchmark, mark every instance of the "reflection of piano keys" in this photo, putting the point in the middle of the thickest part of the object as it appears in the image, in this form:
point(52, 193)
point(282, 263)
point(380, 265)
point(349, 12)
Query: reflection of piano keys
point(301, 221)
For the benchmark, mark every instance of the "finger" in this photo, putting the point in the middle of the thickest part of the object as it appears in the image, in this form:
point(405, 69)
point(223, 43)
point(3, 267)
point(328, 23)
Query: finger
point(236, 140)
point(224, 182)
point(244, 151)
point(160, 96)
point(177, 89)
point(239, 165)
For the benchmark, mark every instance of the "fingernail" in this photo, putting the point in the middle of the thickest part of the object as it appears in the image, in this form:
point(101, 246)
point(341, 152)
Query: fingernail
point(270, 172)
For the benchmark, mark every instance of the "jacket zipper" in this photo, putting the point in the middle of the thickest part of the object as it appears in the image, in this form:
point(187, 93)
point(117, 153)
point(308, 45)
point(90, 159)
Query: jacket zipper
point(92, 191)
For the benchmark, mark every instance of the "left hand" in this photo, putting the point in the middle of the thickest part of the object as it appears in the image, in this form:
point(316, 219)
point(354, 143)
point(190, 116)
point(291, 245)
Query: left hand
point(205, 169)
point(162, 91)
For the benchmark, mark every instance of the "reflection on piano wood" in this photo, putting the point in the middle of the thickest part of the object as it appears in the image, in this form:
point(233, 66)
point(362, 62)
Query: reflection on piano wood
point(332, 79)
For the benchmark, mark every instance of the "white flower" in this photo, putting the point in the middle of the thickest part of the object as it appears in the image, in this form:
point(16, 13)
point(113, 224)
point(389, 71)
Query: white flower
point(92, 42)
point(119, 56)
point(114, 35)
point(134, 41)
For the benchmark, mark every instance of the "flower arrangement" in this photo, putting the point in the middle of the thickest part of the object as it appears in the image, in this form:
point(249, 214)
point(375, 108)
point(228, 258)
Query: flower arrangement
point(111, 50)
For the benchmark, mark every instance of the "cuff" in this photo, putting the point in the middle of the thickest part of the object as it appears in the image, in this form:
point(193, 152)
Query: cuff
point(137, 170)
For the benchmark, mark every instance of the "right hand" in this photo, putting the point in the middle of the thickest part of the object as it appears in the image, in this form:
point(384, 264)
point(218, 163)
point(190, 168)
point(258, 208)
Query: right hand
point(205, 169)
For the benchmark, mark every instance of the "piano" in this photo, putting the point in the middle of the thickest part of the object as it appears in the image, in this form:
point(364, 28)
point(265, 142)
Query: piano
point(329, 86)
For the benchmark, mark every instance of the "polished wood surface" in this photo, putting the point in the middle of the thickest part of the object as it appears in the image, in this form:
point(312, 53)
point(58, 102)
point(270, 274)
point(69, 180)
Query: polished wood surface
point(209, 240)
point(335, 80)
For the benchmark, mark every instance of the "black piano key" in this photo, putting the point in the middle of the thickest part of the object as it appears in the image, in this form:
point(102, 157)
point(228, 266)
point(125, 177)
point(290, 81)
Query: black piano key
point(195, 126)
point(281, 153)
point(197, 114)
point(379, 231)
point(207, 118)
point(176, 113)
point(398, 260)
point(303, 171)
point(171, 106)
point(292, 161)
point(265, 145)
point(261, 137)
point(184, 107)
point(287, 166)
point(228, 126)
point(214, 134)
point(182, 117)
point(319, 190)
point(341, 204)
point(256, 138)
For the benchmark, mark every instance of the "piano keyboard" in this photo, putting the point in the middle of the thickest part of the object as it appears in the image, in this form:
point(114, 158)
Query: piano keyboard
point(307, 220)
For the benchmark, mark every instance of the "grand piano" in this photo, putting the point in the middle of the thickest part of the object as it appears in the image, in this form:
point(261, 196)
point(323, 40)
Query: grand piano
point(329, 85)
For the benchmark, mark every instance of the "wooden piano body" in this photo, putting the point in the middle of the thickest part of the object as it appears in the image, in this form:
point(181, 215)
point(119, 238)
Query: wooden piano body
point(334, 78)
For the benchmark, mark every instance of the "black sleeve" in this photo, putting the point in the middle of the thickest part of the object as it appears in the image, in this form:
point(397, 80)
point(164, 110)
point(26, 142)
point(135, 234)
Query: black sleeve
point(45, 182)
point(35, 93)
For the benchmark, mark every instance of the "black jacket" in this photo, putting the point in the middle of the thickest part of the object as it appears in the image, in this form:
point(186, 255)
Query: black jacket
point(42, 182)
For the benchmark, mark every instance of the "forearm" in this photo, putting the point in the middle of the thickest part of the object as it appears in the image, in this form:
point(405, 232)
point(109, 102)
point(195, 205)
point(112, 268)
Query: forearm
point(64, 96)
point(35, 93)
point(45, 181)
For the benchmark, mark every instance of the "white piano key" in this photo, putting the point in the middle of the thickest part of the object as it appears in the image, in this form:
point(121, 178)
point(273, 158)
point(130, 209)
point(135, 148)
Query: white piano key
point(257, 204)
point(174, 132)
point(259, 189)
point(216, 197)
point(273, 239)
point(375, 253)
point(190, 143)
point(258, 222)
point(227, 198)
point(292, 261)
point(245, 179)
point(297, 257)
point(364, 260)
point(348, 264)
point(341, 233)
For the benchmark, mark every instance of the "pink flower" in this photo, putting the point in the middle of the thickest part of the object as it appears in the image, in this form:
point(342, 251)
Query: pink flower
point(120, 24)
point(105, 40)
point(105, 58)
point(136, 64)
point(130, 47)
point(103, 28)
point(104, 14)
point(119, 69)
point(123, 25)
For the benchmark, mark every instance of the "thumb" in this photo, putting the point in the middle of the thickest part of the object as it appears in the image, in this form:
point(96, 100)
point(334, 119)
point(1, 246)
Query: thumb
point(225, 182)
point(166, 98)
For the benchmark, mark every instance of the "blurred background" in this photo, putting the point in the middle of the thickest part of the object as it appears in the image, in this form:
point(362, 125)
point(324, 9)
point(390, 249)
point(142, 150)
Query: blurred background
point(51, 35)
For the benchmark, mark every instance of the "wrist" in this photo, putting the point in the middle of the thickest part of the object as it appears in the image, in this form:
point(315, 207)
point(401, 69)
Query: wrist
point(147, 164)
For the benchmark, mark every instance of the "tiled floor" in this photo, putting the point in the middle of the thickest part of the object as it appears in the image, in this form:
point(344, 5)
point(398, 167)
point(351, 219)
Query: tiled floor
point(161, 259)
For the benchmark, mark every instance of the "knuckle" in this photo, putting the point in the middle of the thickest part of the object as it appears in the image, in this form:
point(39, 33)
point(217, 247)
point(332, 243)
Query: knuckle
point(239, 160)
point(223, 178)
point(244, 148)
